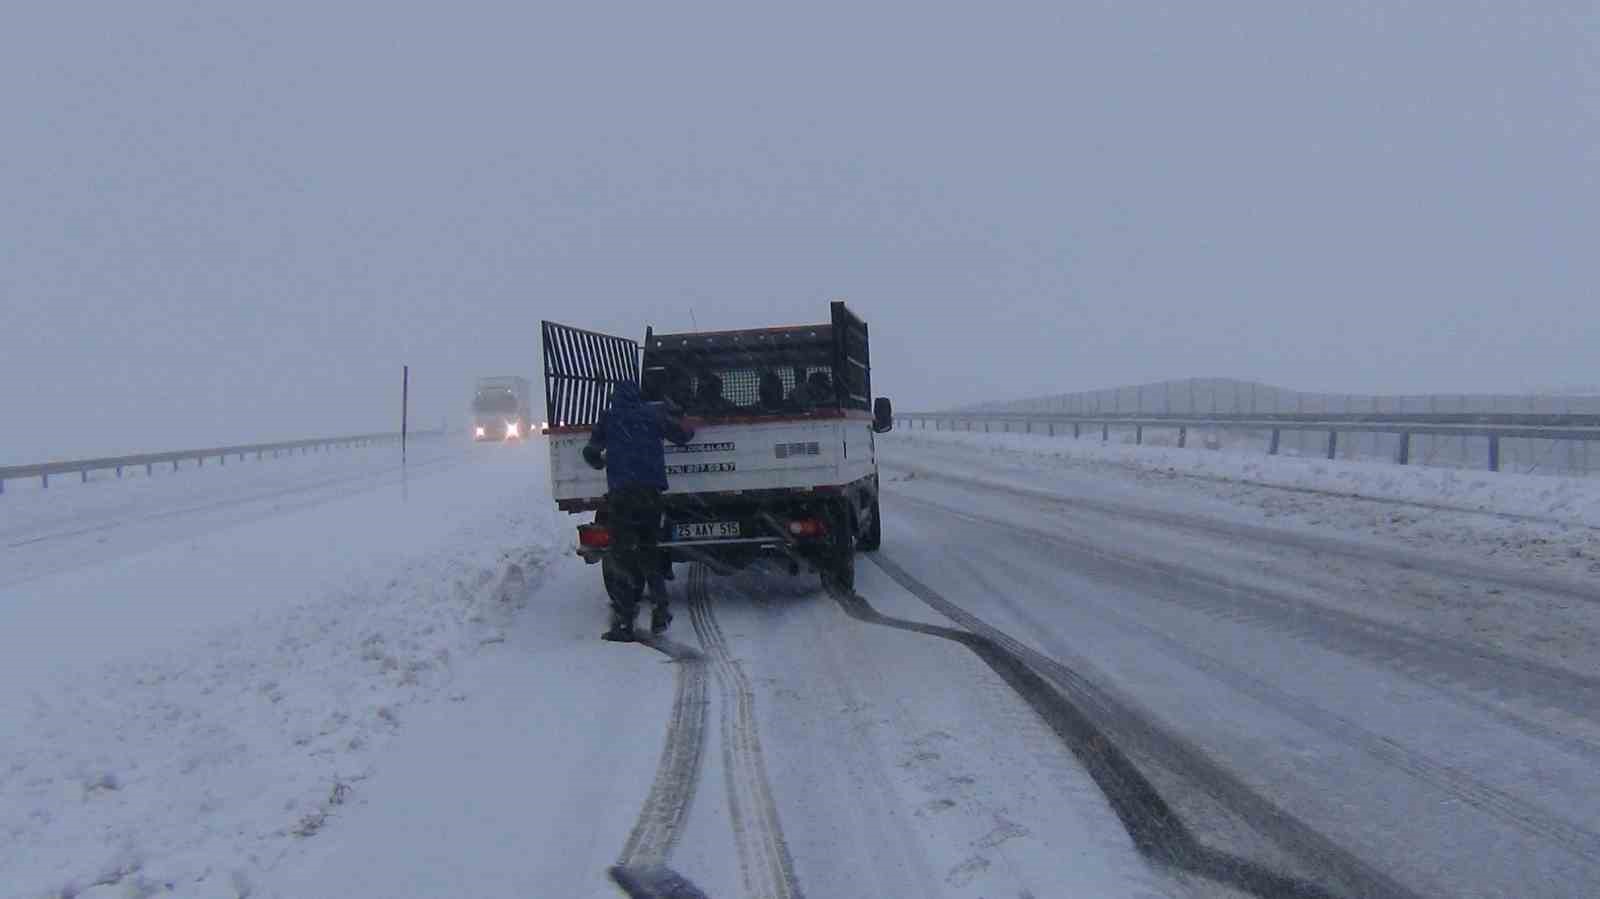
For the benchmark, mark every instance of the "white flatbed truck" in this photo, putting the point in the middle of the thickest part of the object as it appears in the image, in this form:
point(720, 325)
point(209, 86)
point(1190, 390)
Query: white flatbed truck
point(783, 467)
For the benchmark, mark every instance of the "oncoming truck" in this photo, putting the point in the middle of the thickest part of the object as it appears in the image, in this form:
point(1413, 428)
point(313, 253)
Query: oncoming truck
point(783, 467)
point(502, 408)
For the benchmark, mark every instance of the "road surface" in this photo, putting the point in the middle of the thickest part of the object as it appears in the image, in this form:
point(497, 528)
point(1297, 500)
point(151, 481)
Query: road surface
point(1059, 684)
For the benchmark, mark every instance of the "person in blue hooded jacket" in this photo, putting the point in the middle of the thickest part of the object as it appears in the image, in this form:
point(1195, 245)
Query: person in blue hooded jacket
point(627, 444)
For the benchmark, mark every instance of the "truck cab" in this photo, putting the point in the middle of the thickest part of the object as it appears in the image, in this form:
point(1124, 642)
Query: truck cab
point(783, 467)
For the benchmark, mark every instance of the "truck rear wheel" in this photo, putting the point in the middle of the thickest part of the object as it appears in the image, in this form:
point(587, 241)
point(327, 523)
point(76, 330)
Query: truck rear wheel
point(872, 537)
point(839, 561)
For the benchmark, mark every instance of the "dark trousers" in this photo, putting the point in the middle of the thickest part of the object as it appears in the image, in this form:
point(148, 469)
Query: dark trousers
point(634, 514)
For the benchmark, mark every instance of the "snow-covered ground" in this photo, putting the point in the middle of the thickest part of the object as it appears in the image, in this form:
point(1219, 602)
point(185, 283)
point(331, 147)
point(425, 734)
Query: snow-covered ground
point(1304, 677)
point(199, 669)
point(1552, 523)
point(329, 678)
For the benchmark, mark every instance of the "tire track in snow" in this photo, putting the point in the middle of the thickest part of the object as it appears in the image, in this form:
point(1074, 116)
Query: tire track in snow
point(1481, 677)
point(642, 870)
point(1086, 719)
point(764, 860)
point(1443, 777)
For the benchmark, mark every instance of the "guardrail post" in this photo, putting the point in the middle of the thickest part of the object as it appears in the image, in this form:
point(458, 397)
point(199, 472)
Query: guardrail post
point(1333, 444)
point(1405, 448)
point(84, 475)
point(119, 471)
point(1276, 437)
point(1138, 435)
point(1105, 432)
point(1076, 431)
point(222, 459)
point(1052, 429)
point(44, 480)
point(2, 486)
point(1494, 452)
point(150, 469)
point(174, 464)
point(1183, 437)
point(985, 427)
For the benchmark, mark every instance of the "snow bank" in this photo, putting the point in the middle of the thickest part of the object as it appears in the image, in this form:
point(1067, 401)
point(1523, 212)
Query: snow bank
point(1569, 501)
point(1549, 525)
point(192, 769)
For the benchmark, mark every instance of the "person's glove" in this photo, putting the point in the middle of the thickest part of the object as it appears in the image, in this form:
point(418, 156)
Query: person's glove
point(594, 456)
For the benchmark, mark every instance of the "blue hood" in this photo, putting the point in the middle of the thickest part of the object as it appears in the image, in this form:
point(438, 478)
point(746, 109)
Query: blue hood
point(626, 396)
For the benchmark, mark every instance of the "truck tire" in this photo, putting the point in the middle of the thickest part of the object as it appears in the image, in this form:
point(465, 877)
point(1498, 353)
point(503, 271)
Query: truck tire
point(839, 562)
point(872, 537)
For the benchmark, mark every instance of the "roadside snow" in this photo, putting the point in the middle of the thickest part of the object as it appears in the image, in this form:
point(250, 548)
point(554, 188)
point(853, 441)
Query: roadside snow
point(1552, 499)
point(525, 783)
point(193, 758)
point(73, 524)
point(1552, 524)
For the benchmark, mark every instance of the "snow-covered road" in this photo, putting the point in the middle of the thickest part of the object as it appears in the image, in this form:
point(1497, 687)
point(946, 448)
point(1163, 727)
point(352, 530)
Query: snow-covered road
point(1302, 697)
point(1055, 679)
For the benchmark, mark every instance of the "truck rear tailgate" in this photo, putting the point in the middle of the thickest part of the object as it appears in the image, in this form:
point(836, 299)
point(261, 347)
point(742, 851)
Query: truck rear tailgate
point(726, 457)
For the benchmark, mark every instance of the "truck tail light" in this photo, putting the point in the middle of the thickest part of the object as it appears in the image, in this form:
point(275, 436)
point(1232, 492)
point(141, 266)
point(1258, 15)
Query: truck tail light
point(808, 528)
point(594, 536)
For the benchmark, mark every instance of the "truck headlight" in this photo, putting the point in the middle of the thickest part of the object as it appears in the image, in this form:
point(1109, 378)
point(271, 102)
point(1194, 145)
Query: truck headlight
point(478, 432)
point(514, 429)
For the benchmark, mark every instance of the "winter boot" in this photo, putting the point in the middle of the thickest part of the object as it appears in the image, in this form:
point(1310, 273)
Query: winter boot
point(660, 619)
point(621, 629)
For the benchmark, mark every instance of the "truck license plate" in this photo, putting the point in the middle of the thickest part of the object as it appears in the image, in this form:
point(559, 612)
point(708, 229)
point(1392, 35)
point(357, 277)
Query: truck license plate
point(705, 530)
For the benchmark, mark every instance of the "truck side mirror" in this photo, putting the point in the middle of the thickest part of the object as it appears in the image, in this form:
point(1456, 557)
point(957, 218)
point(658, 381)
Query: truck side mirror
point(882, 415)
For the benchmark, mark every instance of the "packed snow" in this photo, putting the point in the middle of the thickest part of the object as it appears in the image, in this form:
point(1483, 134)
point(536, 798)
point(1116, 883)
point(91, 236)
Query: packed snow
point(185, 715)
point(1549, 522)
point(331, 677)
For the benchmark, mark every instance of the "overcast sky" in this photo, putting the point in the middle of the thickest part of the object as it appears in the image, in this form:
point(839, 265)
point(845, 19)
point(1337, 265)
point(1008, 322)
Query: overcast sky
point(227, 221)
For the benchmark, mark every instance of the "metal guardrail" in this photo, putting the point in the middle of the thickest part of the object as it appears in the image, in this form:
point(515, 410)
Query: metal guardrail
point(1494, 426)
point(83, 467)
